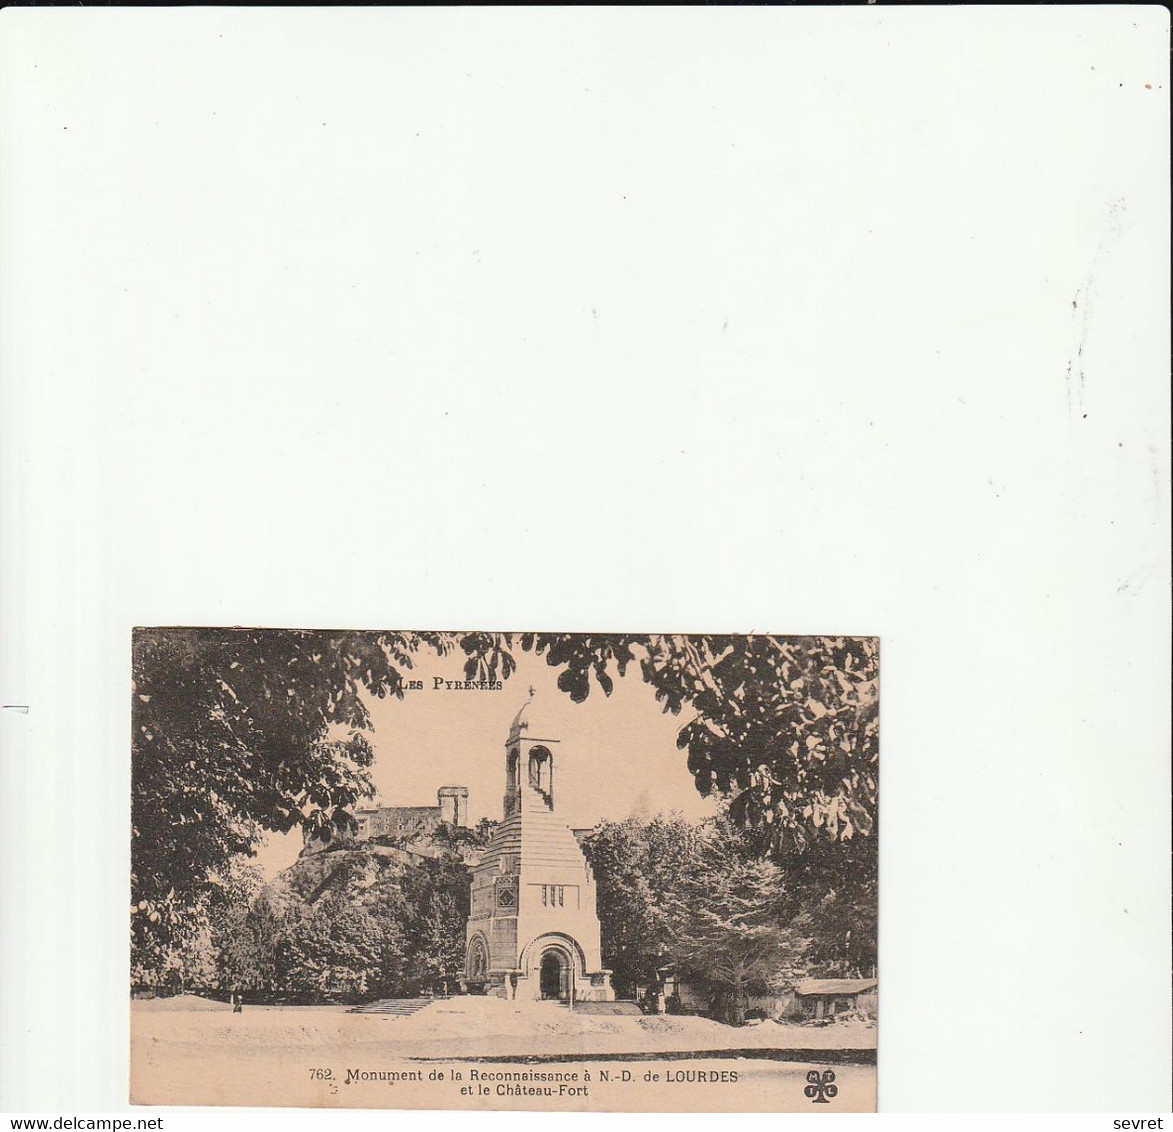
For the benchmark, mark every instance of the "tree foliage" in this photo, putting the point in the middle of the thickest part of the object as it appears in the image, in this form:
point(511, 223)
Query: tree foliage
point(351, 925)
point(190, 956)
point(241, 731)
point(635, 863)
point(699, 898)
point(736, 927)
point(787, 728)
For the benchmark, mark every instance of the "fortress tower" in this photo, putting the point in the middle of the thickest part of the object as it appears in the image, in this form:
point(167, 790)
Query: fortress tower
point(453, 803)
point(533, 928)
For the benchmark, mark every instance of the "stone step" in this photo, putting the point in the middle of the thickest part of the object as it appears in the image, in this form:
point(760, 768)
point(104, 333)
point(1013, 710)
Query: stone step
point(401, 1007)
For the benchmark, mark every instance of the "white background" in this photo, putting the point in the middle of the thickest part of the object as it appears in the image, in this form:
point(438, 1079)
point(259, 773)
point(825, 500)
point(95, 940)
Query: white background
point(798, 320)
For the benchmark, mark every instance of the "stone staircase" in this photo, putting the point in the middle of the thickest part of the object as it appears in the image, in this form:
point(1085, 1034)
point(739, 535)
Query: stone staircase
point(400, 1007)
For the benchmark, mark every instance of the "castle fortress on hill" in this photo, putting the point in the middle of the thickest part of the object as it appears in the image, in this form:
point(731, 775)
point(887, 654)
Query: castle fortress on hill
point(407, 824)
point(408, 821)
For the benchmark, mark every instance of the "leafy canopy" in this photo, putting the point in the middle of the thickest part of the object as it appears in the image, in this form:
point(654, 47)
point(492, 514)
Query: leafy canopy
point(697, 898)
point(241, 731)
point(786, 727)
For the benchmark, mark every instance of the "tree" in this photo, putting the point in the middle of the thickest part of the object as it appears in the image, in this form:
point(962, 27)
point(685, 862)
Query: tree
point(353, 924)
point(836, 889)
point(732, 923)
point(188, 958)
point(637, 863)
point(247, 957)
point(240, 731)
point(437, 894)
point(458, 838)
point(700, 898)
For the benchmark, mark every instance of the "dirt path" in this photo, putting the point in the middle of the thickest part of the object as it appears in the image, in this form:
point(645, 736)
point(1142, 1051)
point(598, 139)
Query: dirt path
point(306, 1056)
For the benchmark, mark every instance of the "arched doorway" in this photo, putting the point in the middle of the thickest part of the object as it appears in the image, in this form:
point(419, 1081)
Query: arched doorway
point(541, 773)
point(551, 956)
point(554, 975)
point(476, 964)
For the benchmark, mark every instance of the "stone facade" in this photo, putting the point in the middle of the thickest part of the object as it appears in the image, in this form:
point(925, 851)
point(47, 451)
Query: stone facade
point(405, 822)
point(533, 929)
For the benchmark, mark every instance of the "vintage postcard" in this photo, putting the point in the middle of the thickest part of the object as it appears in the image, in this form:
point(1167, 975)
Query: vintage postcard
point(504, 870)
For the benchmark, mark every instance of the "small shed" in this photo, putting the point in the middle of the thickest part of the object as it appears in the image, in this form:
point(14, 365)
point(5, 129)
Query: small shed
point(827, 998)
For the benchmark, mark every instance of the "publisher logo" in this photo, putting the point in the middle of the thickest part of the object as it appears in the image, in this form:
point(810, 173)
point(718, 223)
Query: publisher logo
point(822, 1086)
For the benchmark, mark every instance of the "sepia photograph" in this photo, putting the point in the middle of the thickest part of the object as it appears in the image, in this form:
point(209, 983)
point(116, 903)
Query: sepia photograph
point(504, 870)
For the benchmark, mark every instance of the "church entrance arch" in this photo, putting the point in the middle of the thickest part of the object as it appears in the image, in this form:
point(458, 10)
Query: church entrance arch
point(554, 968)
point(554, 974)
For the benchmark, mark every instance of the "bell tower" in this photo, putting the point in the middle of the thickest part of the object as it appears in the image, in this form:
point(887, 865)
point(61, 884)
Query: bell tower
point(533, 928)
point(533, 752)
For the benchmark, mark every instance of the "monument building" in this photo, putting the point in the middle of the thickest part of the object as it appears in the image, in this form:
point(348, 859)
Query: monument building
point(533, 928)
